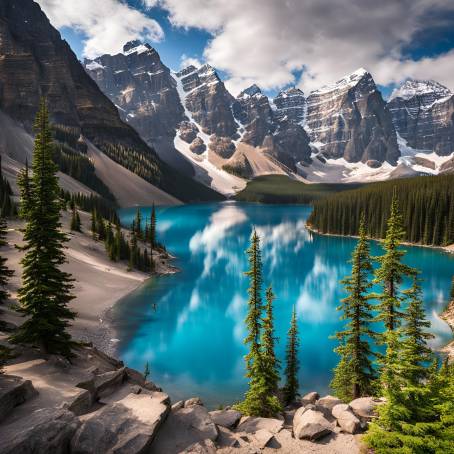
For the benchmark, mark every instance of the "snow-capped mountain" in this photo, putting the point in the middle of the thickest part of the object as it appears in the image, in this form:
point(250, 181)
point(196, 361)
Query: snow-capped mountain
point(350, 120)
point(341, 132)
point(422, 113)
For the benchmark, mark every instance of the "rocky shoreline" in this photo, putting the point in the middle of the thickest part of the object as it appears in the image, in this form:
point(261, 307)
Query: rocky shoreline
point(93, 404)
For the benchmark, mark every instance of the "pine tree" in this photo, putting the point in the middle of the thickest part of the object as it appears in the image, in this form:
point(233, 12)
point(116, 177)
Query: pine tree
point(46, 289)
point(146, 372)
point(257, 401)
point(5, 272)
point(270, 362)
point(415, 354)
point(152, 232)
point(78, 222)
point(93, 223)
point(25, 185)
point(75, 225)
point(116, 248)
point(291, 387)
point(391, 270)
point(409, 419)
point(138, 224)
point(354, 375)
point(133, 252)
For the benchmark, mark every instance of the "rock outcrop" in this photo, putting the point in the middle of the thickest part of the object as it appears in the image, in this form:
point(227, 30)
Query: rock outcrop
point(47, 430)
point(350, 120)
point(13, 392)
point(423, 115)
point(142, 88)
point(128, 425)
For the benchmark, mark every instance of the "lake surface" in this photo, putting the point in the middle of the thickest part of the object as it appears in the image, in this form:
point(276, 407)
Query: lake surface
point(194, 340)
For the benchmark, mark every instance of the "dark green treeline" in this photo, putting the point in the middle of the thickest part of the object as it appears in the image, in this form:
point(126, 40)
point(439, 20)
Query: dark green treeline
point(427, 206)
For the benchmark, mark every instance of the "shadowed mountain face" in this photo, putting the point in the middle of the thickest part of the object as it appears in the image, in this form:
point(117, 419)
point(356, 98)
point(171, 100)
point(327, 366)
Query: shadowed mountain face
point(35, 62)
point(423, 115)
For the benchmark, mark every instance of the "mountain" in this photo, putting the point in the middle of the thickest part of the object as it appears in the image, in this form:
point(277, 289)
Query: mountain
point(350, 120)
point(143, 90)
point(423, 115)
point(35, 62)
point(225, 139)
point(342, 132)
point(229, 139)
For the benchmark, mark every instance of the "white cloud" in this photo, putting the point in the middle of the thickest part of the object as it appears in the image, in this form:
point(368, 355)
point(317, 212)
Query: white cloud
point(187, 61)
point(107, 24)
point(266, 41)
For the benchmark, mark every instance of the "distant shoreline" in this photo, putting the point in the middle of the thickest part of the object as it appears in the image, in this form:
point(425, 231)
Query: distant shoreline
point(449, 249)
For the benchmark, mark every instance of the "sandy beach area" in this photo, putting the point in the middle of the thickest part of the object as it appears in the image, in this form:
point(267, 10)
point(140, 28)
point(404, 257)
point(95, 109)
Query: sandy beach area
point(99, 282)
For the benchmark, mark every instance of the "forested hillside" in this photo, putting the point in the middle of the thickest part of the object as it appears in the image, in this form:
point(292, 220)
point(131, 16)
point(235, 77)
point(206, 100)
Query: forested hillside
point(282, 189)
point(427, 204)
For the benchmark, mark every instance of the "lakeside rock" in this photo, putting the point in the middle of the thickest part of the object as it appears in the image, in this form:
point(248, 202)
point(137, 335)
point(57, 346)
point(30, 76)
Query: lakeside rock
point(13, 392)
point(311, 424)
point(94, 404)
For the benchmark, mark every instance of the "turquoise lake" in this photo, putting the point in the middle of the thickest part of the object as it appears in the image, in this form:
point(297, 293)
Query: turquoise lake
point(194, 340)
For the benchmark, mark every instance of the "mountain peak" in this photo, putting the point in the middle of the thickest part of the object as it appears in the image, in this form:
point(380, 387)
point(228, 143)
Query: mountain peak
point(411, 88)
point(136, 46)
point(253, 90)
point(348, 81)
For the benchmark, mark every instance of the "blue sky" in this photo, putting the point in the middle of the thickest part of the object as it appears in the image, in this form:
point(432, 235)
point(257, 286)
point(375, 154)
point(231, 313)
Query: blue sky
point(306, 43)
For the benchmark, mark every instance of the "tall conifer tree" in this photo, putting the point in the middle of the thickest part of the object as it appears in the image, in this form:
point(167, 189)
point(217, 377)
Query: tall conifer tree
point(138, 224)
point(46, 289)
point(354, 375)
point(153, 228)
point(290, 391)
point(5, 272)
point(25, 185)
point(391, 270)
point(258, 401)
point(270, 362)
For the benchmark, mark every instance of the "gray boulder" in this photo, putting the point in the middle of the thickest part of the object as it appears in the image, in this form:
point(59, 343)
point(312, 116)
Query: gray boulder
point(249, 424)
point(80, 403)
point(127, 426)
point(366, 407)
point(262, 438)
point(346, 419)
point(183, 428)
point(339, 408)
point(193, 401)
point(310, 398)
point(310, 424)
point(201, 447)
point(225, 418)
point(47, 430)
point(328, 402)
point(13, 392)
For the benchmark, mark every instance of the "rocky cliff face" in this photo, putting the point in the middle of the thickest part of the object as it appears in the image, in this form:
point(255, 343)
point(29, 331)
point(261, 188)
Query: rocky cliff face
point(142, 88)
point(35, 62)
point(350, 119)
point(423, 115)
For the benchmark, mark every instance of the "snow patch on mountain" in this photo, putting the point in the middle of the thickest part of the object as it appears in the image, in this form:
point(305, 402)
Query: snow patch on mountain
point(348, 81)
point(221, 181)
point(412, 88)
